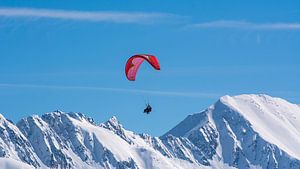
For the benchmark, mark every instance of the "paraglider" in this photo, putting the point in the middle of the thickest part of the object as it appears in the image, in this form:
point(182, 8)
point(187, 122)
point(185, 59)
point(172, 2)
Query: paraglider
point(134, 62)
point(132, 66)
point(148, 109)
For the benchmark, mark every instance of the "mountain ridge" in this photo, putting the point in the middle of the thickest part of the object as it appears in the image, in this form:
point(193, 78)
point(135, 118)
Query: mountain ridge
point(225, 135)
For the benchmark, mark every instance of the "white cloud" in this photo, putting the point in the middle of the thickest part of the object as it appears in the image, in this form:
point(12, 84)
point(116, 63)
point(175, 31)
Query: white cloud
point(120, 90)
point(248, 25)
point(95, 16)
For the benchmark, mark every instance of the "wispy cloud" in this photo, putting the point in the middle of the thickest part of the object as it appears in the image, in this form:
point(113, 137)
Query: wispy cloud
point(120, 90)
point(95, 16)
point(231, 24)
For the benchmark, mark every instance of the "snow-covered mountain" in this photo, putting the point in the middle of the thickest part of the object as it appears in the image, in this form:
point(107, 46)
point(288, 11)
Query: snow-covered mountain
point(245, 131)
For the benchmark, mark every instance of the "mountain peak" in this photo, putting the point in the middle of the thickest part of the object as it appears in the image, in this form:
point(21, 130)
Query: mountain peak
point(114, 120)
point(57, 114)
point(115, 126)
point(112, 123)
point(228, 99)
point(6, 122)
point(2, 119)
point(236, 126)
point(1, 116)
point(275, 119)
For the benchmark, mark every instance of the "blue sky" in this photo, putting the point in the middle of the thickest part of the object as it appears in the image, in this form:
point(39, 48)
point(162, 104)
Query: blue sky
point(70, 55)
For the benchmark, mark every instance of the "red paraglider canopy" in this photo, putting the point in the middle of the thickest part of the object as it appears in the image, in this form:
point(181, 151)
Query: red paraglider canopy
point(134, 62)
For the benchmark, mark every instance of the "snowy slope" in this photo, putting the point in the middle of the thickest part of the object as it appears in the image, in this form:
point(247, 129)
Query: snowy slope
point(14, 145)
point(8, 163)
point(245, 131)
point(275, 119)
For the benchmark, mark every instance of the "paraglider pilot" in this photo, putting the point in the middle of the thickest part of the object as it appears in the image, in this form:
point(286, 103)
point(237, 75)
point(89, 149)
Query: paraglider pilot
point(148, 109)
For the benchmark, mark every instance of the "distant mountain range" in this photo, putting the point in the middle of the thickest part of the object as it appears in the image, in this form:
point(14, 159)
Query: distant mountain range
point(245, 131)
